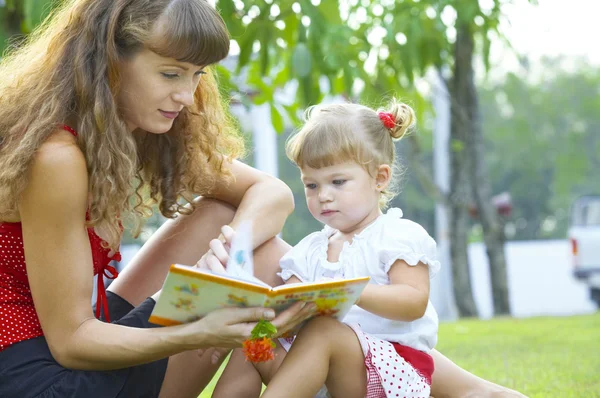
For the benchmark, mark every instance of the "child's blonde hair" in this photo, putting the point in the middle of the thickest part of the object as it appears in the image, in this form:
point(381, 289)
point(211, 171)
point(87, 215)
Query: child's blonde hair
point(339, 133)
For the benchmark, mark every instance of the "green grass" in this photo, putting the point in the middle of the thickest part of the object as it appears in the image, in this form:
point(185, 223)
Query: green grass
point(540, 357)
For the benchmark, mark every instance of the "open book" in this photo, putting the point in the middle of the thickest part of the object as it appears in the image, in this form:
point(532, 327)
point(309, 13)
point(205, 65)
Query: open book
point(191, 293)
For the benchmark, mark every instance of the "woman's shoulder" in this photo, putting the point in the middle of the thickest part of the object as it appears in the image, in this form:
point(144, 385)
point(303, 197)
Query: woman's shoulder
point(60, 153)
point(58, 169)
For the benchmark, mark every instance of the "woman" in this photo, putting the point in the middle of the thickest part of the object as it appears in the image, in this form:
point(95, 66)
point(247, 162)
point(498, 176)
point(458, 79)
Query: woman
point(106, 93)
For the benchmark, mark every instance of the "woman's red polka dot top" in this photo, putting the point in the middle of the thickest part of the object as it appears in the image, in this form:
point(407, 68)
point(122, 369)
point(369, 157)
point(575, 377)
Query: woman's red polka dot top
point(18, 318)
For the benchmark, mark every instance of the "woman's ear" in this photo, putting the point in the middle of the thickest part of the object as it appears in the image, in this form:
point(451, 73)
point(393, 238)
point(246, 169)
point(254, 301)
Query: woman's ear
point(383, 177)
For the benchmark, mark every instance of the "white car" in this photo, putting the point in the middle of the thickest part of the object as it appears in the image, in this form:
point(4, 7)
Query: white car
point(584, 235)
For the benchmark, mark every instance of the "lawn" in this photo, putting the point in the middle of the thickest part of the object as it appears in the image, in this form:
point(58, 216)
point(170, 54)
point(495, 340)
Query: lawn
point(541, 357)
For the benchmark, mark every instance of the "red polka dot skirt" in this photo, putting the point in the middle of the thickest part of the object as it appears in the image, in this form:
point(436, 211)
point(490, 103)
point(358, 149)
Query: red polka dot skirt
point(389, 375)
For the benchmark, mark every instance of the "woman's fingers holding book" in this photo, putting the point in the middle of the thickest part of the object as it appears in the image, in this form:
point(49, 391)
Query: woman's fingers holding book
point(229, 327)
point(238, 316)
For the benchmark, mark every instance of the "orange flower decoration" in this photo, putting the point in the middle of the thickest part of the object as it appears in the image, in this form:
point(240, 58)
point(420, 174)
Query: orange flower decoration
point(259, 350)
point(260, 347)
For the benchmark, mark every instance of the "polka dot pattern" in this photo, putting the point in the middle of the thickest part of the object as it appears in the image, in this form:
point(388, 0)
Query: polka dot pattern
point(388, 373)
point(18, 319)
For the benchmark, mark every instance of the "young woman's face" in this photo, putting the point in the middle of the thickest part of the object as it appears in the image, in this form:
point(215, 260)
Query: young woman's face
point(154, 90)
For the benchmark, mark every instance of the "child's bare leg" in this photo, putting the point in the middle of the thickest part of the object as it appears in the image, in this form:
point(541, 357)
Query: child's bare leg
point(451, 381)
point(243, 379)
point(325, 352)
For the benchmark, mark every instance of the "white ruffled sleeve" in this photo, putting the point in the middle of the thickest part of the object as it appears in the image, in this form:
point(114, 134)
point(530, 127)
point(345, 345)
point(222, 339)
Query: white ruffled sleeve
point(295, 262)
point(406, 240)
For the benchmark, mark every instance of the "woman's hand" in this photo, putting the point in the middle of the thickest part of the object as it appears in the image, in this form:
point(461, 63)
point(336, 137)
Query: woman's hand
point(293, 317)
point(229, 328)
point(216, 258)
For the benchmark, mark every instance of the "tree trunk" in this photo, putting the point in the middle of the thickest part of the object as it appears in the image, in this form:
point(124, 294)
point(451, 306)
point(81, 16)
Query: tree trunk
point(460, 194)
point(493, 226)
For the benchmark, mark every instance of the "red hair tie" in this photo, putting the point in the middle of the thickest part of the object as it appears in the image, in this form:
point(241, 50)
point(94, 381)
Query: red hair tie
point(387, 119)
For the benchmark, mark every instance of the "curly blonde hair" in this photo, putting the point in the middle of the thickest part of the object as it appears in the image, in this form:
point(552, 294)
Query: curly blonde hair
point(68, 69)
point(338, 133)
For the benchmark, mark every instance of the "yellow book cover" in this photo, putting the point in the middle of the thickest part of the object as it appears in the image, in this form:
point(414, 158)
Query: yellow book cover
point(190, 293)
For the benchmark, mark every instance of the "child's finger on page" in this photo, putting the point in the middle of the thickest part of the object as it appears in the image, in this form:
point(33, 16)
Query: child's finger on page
point(202, 262)
point(228, 233)
point(219, 250)
point(214, 264)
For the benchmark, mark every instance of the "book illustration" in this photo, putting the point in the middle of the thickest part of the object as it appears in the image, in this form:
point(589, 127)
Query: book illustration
point(240, 259)
point(327, 306)
point(189, 288)
point(184, 304)
point(237, 301)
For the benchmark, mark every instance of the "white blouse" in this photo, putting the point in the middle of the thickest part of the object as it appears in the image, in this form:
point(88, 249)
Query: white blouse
point(372, 253)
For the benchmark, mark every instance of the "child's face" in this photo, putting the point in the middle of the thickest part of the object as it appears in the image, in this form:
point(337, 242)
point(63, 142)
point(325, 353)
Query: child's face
point(343, 196)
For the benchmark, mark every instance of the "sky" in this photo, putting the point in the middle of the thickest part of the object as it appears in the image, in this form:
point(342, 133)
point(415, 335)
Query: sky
point(553, 27)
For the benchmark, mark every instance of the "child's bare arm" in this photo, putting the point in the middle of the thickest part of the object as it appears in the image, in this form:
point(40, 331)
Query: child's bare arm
point(292, 279)
point(404, 299)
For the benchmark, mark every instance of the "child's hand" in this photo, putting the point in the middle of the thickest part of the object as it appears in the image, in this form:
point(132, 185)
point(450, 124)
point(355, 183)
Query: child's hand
point(215, 354)
point(216, 258)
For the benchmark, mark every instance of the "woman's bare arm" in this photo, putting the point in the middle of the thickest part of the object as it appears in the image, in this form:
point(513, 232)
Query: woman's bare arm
point(59, 265)
point(258, 197)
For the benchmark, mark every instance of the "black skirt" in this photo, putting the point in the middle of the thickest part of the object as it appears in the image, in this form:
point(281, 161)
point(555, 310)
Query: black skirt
point(27, 368)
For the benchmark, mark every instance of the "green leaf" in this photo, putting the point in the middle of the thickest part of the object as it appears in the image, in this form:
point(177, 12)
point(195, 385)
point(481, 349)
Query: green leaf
point(292, 111)
point(231, 17)
point(246, 42)
point(267, 37)
point(330, 9)
point(291, 28)
point(301, 60)
point(282, 76)
point(263, 329)
point(276, 119)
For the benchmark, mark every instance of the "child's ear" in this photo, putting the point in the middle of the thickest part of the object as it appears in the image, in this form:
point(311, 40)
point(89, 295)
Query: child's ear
point(383, 177)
